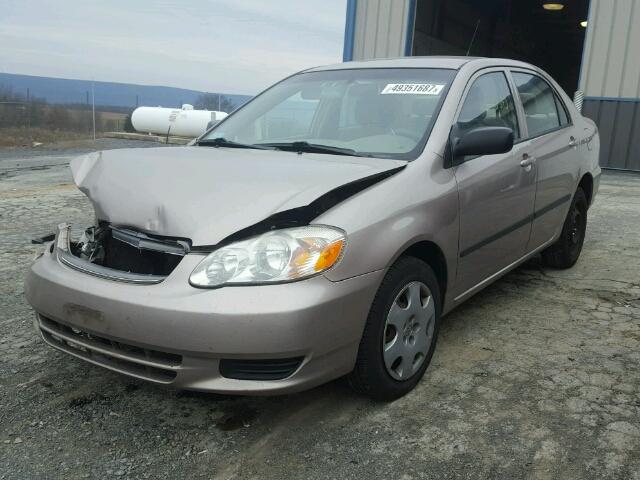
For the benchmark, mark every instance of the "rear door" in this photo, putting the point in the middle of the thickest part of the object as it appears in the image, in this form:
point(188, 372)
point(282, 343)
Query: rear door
point(554, 150)
point(496, 192)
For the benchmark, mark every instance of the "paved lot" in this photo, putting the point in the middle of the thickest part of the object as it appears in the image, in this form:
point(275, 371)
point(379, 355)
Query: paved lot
point(536, 377)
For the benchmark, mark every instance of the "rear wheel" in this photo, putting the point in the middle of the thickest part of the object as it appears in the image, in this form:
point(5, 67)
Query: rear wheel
point(565, 252)
point(401, 331)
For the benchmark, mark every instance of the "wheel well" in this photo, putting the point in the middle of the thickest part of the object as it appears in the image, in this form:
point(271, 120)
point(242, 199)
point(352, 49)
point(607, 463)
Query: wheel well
point(430, 253)
point(586, 184)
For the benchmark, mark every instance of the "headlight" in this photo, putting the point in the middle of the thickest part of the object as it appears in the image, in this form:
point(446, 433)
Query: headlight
point(279, 256)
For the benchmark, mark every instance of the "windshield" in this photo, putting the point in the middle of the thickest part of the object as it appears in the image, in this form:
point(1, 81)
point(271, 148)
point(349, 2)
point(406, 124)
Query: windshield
point(384, 113)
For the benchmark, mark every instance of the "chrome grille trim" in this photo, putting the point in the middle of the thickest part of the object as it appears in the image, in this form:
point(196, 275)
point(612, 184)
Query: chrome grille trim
point(107, 273)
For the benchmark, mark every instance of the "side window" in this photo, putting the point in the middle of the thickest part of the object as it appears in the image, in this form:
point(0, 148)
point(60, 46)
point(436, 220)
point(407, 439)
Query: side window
point(562, 112)
point(542, 109)
point(489, 103)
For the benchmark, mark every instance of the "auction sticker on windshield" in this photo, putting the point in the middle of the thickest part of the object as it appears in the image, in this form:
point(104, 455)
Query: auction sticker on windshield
point(413, 88)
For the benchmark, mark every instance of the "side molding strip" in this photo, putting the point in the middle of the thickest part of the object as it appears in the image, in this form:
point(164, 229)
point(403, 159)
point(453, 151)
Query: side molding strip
point(551, 206)
point(499, 273)
point(515, 226)
point(496, 236)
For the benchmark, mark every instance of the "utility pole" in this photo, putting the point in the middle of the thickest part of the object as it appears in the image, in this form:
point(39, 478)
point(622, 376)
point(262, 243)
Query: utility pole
point(93, 108)
point(87, 108)
point(29, 115)
point(218, 102)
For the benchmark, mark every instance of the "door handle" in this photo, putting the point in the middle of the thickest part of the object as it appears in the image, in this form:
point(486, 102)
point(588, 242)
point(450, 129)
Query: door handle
point(527, 162)
point(572, 142)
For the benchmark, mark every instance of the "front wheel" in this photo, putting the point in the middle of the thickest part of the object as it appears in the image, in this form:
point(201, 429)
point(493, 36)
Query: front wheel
point(565, 252)
point(401, 331)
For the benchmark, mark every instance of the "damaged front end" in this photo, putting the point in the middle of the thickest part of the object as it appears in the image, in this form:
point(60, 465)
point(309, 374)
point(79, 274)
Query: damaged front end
point(120, 254)
point(201, 204)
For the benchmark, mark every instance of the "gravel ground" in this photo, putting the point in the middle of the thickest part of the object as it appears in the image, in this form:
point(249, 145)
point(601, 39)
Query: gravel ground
point(535, 377)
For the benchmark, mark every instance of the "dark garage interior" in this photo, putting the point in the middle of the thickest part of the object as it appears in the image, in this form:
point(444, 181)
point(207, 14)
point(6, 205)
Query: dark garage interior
point(546, 34)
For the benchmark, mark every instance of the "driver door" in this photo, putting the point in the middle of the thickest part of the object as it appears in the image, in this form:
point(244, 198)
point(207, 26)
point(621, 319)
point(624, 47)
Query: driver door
point(496, 192)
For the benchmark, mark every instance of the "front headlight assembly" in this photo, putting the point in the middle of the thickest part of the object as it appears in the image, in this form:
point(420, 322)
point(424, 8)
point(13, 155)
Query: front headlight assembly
point(278, 256)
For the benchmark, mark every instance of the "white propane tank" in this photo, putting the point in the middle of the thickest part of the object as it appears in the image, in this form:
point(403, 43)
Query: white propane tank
point(183, 122)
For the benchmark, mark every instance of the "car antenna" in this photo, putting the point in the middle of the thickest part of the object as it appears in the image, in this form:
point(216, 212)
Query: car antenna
point(473, 38)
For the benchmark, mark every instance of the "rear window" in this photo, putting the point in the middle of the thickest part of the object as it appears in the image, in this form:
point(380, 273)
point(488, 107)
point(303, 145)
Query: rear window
point(542, 108)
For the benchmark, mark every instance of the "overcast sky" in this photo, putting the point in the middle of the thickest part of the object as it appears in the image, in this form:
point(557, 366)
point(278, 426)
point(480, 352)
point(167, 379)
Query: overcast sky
point(231, 46)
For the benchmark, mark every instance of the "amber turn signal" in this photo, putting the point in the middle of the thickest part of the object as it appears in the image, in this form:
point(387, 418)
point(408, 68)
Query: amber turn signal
point(329, 256)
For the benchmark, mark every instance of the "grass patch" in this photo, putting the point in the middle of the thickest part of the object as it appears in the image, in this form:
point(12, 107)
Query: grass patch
point(20, 137)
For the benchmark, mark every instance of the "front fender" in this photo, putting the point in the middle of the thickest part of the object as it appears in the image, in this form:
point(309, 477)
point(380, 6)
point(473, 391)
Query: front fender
point(418, 204)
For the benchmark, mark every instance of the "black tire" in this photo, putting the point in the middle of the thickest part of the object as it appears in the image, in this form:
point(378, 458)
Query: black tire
point(370, 376)
point(565, 251)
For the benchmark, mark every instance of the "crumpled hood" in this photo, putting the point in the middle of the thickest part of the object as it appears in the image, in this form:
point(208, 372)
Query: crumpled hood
point(206, 194)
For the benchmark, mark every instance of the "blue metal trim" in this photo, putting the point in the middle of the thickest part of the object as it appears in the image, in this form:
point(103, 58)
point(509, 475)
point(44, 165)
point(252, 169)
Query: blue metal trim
point(411, 25)
point(584, 45)
point(349, 31)
point(626, 170)
point(614, 99)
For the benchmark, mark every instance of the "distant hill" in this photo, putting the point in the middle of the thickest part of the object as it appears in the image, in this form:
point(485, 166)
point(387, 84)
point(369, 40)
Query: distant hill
point(68, 91)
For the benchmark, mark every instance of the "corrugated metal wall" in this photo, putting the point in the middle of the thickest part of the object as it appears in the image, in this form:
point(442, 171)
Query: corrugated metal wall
point(610, 73)
point(610, 79)
point(619, 125)
point(381, 28)
point(611, 57)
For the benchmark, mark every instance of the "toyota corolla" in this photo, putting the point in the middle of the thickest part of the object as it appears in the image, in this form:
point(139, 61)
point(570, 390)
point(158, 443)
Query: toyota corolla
point(321, 230)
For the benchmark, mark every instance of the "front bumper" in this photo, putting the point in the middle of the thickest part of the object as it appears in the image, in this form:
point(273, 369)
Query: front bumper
point(175, 334)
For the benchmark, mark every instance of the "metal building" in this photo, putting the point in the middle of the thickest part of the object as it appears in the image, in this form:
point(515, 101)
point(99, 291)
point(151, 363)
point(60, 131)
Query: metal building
point(587, 45)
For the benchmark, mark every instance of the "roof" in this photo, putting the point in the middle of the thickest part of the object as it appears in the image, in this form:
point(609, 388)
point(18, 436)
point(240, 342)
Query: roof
point(454, 63)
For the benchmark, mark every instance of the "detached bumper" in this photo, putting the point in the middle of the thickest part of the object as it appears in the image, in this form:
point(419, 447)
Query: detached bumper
point(175, 334)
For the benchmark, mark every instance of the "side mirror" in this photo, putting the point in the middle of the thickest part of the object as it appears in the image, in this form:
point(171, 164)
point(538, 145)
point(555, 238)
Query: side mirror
point(480, 141)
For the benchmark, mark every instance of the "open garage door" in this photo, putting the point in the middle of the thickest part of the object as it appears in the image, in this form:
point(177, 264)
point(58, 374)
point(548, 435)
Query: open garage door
point(547, 34)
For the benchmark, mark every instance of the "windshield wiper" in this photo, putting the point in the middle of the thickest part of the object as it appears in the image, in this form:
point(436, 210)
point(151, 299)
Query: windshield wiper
point(223, 142)
point(307, 147)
